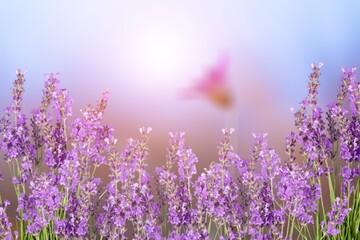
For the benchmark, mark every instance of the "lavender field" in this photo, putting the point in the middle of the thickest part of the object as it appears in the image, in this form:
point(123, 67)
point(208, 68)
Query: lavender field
point(207, 119)
point(53, 157)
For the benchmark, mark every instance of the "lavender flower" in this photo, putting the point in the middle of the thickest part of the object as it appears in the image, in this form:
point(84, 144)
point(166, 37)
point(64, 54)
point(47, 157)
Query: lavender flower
point(349, 174)
point(18, 91)
point(346, 80)
point(111, 222)
point(217, 192)
point(5, 224)
point(336, 216)
point(69, 202)
point(142, 209)
point(350, 141)
point(354, 94)
point(290, 148)
point(298, 193)
point(76, 171)
point(132, 199)
point(79, 209)
point(45, 198)
point(166, 178)
point(16, 144)
point(51, 86)
point(186, 163)
point(262, 211)
point(349, 136)
point(42, 129)
point(316, 145)
point(180, 212)
point(55, 147)
point(62, 102)
point(313, 85)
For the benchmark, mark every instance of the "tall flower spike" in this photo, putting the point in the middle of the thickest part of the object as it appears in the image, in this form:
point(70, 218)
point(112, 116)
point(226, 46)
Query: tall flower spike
point(51, 86)
point(336, 216)
point(62, 104)
point(290, 148)
point(354, 94)
point(225, 149)
point(313, 85)
point(5, 224)
point(103, 102)
point(347, 77)
point(186, 163)
point(94, 114)
point(18, 90)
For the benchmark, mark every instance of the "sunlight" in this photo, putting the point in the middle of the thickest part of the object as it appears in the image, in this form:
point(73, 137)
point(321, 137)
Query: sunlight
point(160, 51)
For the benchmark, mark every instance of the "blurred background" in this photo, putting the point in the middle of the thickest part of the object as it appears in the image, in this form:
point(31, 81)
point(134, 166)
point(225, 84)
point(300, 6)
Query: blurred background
point(146, 52)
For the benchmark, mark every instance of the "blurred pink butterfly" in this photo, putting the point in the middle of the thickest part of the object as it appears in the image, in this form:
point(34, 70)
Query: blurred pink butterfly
point(213, 85)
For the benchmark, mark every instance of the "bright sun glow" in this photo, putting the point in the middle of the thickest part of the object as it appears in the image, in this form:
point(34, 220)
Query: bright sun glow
point(160, 51)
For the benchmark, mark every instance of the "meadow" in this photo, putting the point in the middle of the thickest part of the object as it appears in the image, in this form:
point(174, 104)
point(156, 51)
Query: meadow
point(313, 193)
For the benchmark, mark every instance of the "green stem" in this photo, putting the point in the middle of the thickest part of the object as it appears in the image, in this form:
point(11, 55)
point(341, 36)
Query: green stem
point(288, 225)
point(308, 232)
point(300, 233)
point(102, 194)
point(292, 227)
point(217, 231)
point(95, 166)
point(331, 188)
point(209, 226)
point(225, 228)
point(322, 201)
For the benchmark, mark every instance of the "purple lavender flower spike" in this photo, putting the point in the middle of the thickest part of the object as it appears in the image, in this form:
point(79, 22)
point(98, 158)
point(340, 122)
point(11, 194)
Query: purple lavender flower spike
point(17, 146)
point(349, 131)
point(129, 198)
point(55, 147)
point(18, 91)
point(5, 224)
point(51, 86)
point(45, 197)
point(316, 145)
point(186, 163)
point(336, 216)
point(298, 194)
point(62, 104)
point(347, 78)
point(349, 174)
point(253, 202)
point(91, 142)
point(262, 212)
point(354, 92)
point(313, 85)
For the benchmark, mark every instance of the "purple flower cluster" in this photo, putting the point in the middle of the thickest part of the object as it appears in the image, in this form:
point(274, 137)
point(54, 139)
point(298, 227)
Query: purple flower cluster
point(5, 224)
point(297, 193)
point(265, 219)
point(315, 144)
point(339, 211)
point(39, 207)
point(129, 195)
point(177, 197)
point(53, 162)
point(18, 91)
